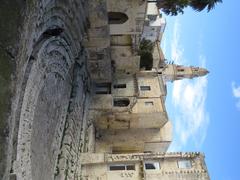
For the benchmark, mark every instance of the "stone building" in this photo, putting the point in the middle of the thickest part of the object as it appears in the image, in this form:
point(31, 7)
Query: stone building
point(127, 101)
point(125, 122)
point(148, 166)
point(113, 37)
point(130, 127)
point(134, 104)
point(78, 102)
point(154, 24)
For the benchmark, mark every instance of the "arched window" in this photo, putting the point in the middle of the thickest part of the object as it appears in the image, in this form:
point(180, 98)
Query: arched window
point(117, 18)
point(121, 102)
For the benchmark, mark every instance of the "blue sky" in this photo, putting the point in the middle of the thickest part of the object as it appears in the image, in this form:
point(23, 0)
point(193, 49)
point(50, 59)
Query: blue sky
point(206, 111)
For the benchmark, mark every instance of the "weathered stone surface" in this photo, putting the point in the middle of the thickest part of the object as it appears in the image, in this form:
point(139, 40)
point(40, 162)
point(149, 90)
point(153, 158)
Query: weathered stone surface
point(97, 166)
point(5, 96)
point(10, 20)
point(45, 90)
point(49, 97)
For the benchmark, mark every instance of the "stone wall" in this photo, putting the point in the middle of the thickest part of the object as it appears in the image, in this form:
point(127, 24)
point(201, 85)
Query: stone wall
point(51, 85)
point(10, 22)
point(167, 166)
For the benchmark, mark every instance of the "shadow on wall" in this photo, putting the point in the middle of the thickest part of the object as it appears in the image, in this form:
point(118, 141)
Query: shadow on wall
point(10, 18)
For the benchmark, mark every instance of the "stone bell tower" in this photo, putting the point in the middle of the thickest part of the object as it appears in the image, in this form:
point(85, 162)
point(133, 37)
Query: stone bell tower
point(173, 72)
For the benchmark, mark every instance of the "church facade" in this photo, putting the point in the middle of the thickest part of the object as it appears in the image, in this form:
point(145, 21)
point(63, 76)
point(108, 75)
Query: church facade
point(84, 90)
point(130, 130)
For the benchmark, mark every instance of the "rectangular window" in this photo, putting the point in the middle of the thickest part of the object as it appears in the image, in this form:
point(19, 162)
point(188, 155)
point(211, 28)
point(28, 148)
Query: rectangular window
point(184, 164)
point(152, 17)
point(151, 165)
point(130, 167)
point(145, 88)
point(148, 103)
point(119, 86)
point(103, 88)
point(117, 167)
point(122, 167)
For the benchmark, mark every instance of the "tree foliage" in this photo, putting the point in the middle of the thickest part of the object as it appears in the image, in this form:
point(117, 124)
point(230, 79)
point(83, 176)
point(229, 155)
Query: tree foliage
point(174, 7)
point(145, 52)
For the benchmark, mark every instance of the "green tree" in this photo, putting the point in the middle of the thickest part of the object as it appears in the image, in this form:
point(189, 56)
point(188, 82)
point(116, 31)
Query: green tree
point(145, 52)
point(174, 7)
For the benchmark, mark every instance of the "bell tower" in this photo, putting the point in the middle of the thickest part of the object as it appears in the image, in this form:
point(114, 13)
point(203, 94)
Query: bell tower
point(172, 72)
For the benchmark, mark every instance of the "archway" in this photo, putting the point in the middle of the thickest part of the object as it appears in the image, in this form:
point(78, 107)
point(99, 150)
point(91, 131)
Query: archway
point(117, 18)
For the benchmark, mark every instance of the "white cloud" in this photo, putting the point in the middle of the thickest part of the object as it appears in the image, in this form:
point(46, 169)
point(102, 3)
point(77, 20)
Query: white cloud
point(191, 118)
point(164, 45)
point(176, 49)
point(236, 94)
point(236, 90)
